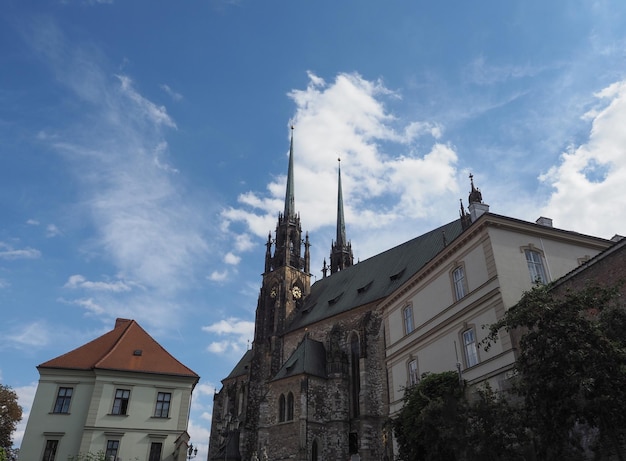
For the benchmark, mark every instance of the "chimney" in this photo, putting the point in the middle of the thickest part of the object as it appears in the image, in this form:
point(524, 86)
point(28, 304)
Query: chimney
point(119, 322)
point(543, 221)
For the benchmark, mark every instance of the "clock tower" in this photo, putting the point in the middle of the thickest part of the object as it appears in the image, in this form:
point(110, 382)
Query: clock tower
point(286, 278)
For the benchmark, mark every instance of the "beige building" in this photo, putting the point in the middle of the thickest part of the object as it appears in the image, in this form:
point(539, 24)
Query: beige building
point(434, 322)
point(121, 394)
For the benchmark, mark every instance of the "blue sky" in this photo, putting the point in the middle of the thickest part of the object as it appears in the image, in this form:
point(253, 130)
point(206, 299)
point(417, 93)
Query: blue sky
point(143, 150)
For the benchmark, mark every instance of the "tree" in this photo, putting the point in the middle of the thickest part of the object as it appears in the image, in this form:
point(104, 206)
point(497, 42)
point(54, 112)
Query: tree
point(429, 426)
point(10, 416)
point(571, 367)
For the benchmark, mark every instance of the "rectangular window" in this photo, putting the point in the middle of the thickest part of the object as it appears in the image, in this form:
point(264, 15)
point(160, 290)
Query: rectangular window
point(407, 313)
point(469, 345)
point(413, 378)
point(50, 451)
point(162, 409)
point(112, 448)
point(458, 277)
point(120, 404)
point(155, 451)
point(64, 397)
point(535, 266)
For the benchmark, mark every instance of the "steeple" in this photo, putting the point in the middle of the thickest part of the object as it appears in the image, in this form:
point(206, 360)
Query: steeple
point(476, 206)
point(341, 250)
point(289, 213)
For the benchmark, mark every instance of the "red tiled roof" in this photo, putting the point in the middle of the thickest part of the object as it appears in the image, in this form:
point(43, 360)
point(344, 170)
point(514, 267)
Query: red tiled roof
point(125, 348)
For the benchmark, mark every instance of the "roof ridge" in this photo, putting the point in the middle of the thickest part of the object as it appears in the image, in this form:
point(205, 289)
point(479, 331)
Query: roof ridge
point(118, 340)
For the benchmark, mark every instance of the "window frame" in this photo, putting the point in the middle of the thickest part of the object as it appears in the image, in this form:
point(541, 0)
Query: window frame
point(152, 455)
point(112, 449)
point(50, 450)
point(470, 349)
point(408, 319)
point(162, 405)
point(63, 402)
point(459, 284)
point(535, 262)
point(281, 408)
point(121, 402)
point(290, 405)
point(412, 372)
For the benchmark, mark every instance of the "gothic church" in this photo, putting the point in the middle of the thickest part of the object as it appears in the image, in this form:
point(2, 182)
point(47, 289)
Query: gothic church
point(313, 385)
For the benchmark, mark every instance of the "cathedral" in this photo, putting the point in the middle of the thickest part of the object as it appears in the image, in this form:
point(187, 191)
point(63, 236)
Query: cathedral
point(330, 360)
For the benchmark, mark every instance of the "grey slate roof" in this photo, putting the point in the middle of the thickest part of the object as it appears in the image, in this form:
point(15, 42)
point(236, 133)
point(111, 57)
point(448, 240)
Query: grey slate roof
point(242, 367)
point(308, 358)
point(374, 278)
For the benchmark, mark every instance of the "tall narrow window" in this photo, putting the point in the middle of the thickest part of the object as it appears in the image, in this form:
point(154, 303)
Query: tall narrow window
point(120, 404)
point(64, 397)
point(413, 377)
point(50, 451)
point(290, 407)
point(355, 375)
point(112, 448)
point(314, 451)
point(535, 266)
point(469, 346)
point(458, 279)
point(281, 408)
point(162, 409)
point(155, 451)
point(407, 313)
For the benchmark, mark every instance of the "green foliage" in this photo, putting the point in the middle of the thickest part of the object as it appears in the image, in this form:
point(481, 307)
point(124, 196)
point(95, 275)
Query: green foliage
point(571, 367)
point(10, 416)
point(99, 456)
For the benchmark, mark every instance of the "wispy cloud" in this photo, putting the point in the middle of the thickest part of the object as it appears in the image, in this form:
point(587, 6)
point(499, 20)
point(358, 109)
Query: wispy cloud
point(238, 335)
point(8, 251)
point(146, 229)
point(173, 94)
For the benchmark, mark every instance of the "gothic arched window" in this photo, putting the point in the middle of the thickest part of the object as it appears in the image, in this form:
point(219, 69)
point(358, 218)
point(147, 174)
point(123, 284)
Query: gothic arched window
point(314, 451)
point(355, 374)
point(281, 408)
point(290, 407)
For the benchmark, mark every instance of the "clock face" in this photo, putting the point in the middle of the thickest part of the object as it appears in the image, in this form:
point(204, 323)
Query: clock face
point(296, 292)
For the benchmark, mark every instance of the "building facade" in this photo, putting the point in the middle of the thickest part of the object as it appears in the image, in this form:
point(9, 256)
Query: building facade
point(330, 360)
point(121, 394)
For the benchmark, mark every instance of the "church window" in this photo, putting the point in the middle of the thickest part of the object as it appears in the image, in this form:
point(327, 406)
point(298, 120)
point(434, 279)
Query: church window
point(355, 375)
point(459, 283)
point(290, 407)
point(281, 408)
point(469, 347)
point(535, 266)
point(407, 314)
point(413, 376)
point(314, 451)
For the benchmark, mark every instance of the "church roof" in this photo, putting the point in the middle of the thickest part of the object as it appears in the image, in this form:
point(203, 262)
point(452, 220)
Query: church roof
point(374, 278)
point(243, 366)
point(125, 348)
point(308, 358)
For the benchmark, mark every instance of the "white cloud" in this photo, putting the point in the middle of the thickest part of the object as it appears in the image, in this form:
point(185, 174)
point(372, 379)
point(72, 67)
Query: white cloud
point(52, 230)
point(34, 334)
point(32, 222)
point(394, 172)
point(9, 252)
point(589, 180)
point(25, 398)
point(239, 334)
point(217, 276)
point(173, 94)
point(232, 259)
point(79, 281)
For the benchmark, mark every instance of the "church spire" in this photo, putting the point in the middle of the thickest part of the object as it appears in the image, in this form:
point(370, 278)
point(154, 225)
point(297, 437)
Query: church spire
point(341, 250)
point(341, 223)
point(289, 194)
